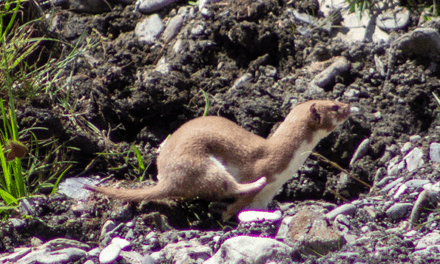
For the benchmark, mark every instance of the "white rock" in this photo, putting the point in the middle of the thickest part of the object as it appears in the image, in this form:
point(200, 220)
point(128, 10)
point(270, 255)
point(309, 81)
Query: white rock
point(109, 253)
point(400, 191)
point(434, 152)
point(254, 216)
point(123, 243)
point(414, 159)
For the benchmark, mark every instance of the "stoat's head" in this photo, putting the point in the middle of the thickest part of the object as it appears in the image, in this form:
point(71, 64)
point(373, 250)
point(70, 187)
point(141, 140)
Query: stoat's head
point(326, 115)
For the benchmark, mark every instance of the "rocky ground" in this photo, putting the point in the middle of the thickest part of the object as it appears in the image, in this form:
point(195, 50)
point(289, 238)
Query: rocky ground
point(369, 195)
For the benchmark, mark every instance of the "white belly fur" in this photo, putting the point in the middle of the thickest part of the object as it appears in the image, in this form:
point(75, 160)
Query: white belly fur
point(265, 196)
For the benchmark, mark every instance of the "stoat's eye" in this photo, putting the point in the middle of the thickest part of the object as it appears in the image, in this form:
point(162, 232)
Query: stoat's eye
point(335, 108)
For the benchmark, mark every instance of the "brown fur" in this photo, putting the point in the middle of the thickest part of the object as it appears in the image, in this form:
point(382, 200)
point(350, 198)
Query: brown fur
point(215, 158)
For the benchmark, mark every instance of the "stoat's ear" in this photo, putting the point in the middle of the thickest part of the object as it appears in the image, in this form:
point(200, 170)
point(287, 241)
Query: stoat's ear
point(315, 114)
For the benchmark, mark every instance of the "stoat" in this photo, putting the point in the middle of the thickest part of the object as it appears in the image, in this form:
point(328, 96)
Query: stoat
point(214, 158)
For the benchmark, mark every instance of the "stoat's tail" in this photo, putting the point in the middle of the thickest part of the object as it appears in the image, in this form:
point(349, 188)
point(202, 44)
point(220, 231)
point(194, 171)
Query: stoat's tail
point(149, 193)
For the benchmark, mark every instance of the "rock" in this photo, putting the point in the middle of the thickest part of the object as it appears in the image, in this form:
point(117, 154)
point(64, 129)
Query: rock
point(247, 249)
point(112, 251)
point(428, 240)
point(173, 28)
point(400, 191)
point(422, 42)
point(392, 184)
point(255, 216)
point(240, 82)
point(150, 6)
point(393, 19)
point(132, 257)
point(187, 252)
point(66, 255)
point(283, 230)
point(312, 231)
point(360, 151)
point(414, 159)
point(352, 95)
point(398, 210)
point(149, 29)
point(148, 260)
point(107, 227)
point(406, 147)
point(416, 183)
point(434, 152)
point(345, 209)
point(73, 187)
point(14, 257)
point(327, 77)
point(415, 139)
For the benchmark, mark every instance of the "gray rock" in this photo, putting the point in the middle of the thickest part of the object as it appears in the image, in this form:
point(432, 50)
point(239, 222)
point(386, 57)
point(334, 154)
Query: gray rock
point(173, 28)
point(415, 139)
point(73, 187)
point(66, 255)
point(406, 147)
point(149, 29)
point(187, 252)
point(392, 184)
point(414, 159)
point(422, 42)
point(393, 19)
point(398, 210)
point(416, 183)
point(150, 6)
point(283, 230)
point(434, 152)
point(327, 77)
point(17, 222)
point(132, 257)
point(346, 209)
point(352, 95)
point(106, 228)
point(360, 151)
point(247, 249)
point(241, 81)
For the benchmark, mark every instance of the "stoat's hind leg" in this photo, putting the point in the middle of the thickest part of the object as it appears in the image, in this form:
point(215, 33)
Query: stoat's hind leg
point(241, 203)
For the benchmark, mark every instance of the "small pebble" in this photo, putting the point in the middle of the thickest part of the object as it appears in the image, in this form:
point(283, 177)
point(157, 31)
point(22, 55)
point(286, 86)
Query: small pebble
point(251, 216)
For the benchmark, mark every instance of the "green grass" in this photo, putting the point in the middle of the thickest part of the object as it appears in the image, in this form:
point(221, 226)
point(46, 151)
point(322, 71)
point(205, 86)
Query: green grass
point(25, 168)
